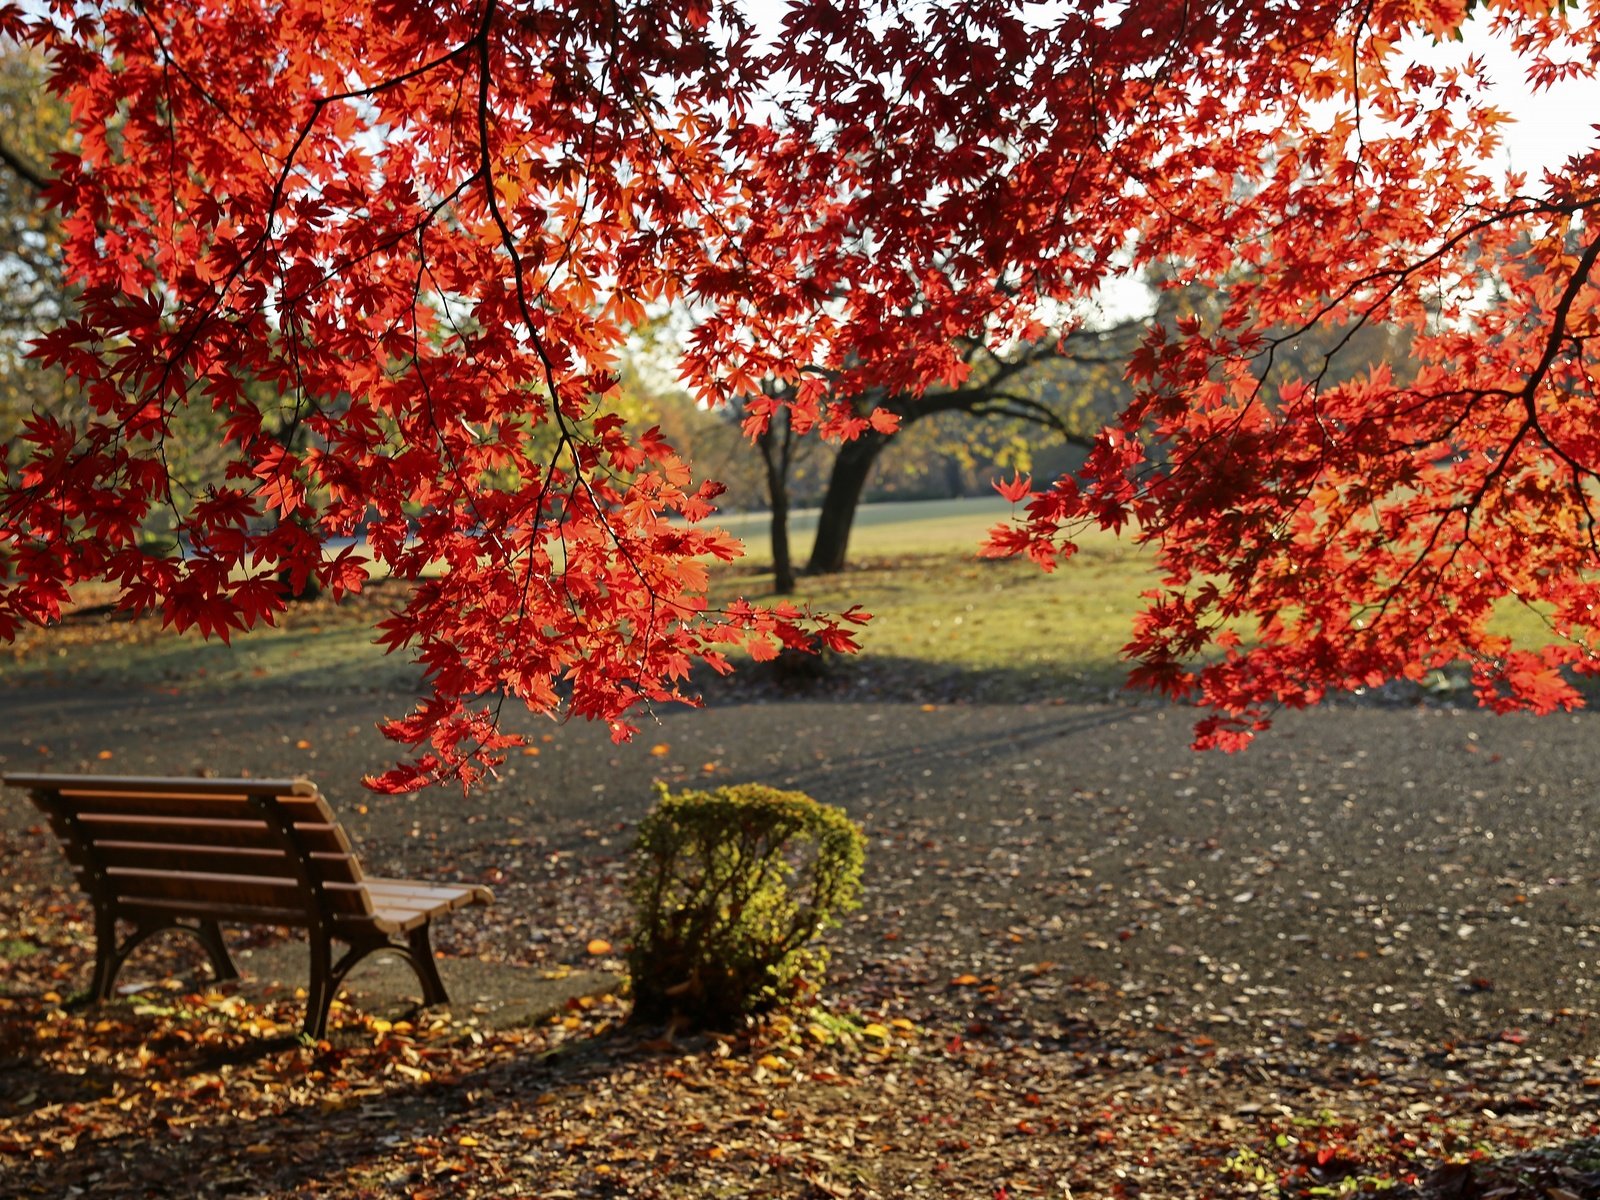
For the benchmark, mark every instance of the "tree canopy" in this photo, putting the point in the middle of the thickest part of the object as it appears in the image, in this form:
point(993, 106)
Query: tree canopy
point(390, 259)
point(33, 126)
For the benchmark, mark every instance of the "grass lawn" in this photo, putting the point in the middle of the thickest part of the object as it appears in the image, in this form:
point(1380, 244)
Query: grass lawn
point(944, 620)
point(890, 530)
point(1000, 630)
point(939, 608)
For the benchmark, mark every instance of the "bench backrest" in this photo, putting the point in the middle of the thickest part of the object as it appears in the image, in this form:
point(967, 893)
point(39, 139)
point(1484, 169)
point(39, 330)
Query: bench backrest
point(260, 850)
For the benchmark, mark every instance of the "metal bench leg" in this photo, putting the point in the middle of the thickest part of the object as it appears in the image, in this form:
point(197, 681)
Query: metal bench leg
point(416, 951)
point(359, 950)
point(109, 956)
point(210, 936)
point(421, 959)
point(106, 957)
point(319, 996)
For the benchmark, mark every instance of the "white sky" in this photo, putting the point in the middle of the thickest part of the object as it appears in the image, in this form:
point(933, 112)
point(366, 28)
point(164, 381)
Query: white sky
point(1550, 125)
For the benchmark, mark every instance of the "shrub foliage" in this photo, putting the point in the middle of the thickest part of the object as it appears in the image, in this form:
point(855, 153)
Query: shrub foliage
point(731, 889)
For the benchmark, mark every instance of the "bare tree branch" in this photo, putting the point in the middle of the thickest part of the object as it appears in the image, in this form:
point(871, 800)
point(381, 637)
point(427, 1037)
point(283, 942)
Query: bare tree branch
point(22, 169)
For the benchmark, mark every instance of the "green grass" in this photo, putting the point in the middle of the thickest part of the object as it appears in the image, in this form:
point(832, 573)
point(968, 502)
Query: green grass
point(942, 616)
point(317, 646)
point(1000, 630)
point(947, 528)
point(946, 625)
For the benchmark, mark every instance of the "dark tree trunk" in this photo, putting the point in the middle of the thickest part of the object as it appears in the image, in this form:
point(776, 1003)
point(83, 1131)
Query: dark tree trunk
point(775, 446)
point(955, 477)
point(852, 467)
point(782, 563)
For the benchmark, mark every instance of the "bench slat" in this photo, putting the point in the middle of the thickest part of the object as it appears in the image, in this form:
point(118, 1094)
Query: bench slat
point(241, 914)
point(231, 889)
point(438, 896)
point(102, 784)
point(211, 807)
point(223, 808)
point(398, 920)
point(262, 861)
point(389, 921)
point(316, 837)
point(266, 862)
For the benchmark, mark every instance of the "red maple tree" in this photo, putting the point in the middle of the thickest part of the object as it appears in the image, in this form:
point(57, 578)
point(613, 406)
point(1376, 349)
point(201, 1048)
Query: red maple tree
point(1317, 537)
point(392, 251)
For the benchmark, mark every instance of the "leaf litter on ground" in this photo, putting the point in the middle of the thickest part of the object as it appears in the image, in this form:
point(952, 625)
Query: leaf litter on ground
point(914, 1081)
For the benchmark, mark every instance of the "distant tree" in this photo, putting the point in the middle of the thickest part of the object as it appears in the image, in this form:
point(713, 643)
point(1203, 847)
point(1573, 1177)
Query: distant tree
point(1049, 384)
point(777, 443)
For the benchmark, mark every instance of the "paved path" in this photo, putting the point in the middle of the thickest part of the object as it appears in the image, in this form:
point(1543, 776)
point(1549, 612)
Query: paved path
point(1410, 873)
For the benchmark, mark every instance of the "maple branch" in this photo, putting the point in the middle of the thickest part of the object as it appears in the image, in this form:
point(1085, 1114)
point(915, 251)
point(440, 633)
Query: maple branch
point(201, 315)
point(525, 302)
point(1403, 273)
point(1396, 278)
point(426, 386)
point(1553, 340)
point(22, 169)
point(321, 102)
point(1466, 511)
point(1581, 494)
point(1526, 396)
point(1024, 408)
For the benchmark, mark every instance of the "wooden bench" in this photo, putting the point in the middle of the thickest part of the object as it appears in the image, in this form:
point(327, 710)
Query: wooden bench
point(193, 854)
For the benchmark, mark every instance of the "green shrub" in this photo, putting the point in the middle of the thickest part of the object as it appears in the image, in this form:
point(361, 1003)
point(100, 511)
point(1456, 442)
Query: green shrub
point(730, 890)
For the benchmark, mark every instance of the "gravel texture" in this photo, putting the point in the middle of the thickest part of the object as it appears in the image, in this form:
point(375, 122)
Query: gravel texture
point(1421, 874)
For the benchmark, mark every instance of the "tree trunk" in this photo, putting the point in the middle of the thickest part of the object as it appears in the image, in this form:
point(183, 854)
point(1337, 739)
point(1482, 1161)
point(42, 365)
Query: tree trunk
point(775, 455)
point(852, 467)
point(782, 563)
